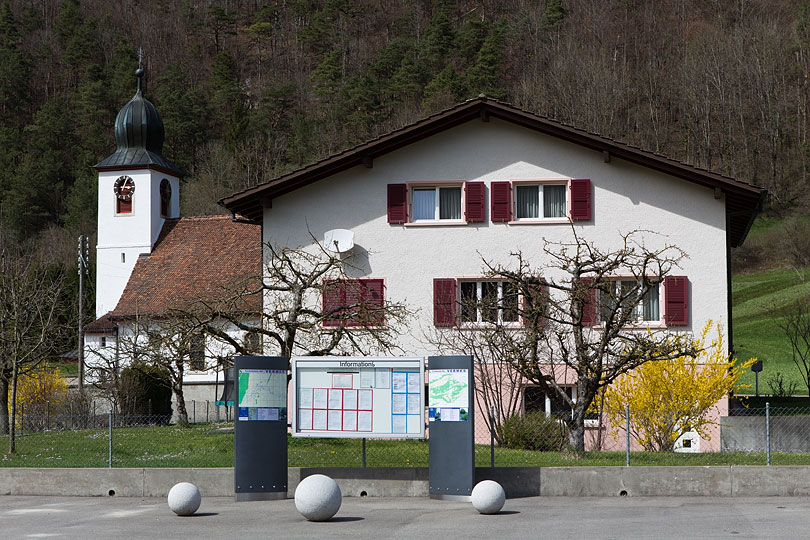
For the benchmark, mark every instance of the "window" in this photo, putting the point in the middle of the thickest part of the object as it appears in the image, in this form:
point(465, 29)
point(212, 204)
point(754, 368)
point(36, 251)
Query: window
point(436, 203)
point(103, 341)
point(535, 399)
point(488, 302)
point(540, 201)
point(197, 352)
point(462, 202)
point(623, 295)
point(252, 342)
point(530, 201)
point(165, 197)
point(353, 302)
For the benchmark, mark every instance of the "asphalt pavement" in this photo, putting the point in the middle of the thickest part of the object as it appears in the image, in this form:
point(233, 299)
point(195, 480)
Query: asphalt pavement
point(657, 518)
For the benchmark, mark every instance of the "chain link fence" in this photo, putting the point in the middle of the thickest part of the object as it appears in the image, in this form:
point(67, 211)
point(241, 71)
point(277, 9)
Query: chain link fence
point(747, 436)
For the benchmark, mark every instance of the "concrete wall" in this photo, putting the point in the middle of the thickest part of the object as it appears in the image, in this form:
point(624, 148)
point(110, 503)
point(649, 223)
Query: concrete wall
point(747, 433)
point(726, 481)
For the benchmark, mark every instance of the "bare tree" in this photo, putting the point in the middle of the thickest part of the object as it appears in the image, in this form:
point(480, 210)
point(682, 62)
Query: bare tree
point(575, 323)
point(29, 327)
point(796, 326)
point(311, 307)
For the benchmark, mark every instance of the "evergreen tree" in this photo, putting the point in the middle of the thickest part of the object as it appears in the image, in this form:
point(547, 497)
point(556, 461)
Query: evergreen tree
point(484, 77)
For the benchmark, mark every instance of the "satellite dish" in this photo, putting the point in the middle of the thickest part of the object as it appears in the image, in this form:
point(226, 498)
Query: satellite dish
point(338, 240)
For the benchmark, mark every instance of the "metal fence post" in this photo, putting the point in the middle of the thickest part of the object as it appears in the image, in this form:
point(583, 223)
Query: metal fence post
point(768, 433)
point(110, 437)
point(364, 452)
point(492, 436)
point(206, 411)
point(627, 430)
point(47, 415)
point(193, 411)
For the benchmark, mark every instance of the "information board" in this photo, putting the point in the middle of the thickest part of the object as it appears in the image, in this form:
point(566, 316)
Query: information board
point(355, 397)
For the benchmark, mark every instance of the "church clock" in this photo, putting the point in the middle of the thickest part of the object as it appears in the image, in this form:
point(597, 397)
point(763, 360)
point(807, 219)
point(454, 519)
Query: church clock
point(124, 188)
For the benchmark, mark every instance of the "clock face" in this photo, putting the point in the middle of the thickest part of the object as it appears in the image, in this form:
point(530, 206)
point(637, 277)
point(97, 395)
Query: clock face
point(124, 188)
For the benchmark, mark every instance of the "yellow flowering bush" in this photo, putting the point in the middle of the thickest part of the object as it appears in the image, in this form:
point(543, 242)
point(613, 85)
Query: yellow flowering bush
point(669, 398)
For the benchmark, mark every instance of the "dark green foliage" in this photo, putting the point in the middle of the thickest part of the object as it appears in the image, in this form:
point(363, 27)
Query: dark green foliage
point(484, 77)
point(145, 390)
point(554, 15)
point(532, 431)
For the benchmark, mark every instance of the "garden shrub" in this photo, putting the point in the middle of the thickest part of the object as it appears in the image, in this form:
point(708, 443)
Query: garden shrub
point(533, 431)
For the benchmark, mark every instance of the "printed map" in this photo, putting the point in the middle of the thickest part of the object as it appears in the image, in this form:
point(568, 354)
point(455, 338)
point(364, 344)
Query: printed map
point(262, 388)
point(449, 388)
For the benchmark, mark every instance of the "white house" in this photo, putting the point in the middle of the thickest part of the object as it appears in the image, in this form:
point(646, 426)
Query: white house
point(484, 178)
point(151, 261)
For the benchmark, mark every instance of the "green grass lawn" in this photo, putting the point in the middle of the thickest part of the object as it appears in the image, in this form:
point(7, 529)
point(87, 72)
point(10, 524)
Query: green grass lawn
point(202, 446)
point(760, 301)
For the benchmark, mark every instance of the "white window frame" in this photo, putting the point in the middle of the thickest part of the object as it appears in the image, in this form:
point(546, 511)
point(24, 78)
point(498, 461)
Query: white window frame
point(540, 185)
point(437, 219)
point(638, 310)
point(478, 310)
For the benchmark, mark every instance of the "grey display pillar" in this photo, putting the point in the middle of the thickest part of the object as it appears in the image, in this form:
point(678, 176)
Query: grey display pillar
point(451, 388)
point(260, 428)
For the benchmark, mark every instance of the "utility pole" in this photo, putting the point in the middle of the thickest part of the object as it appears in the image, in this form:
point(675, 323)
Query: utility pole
point(83, 253)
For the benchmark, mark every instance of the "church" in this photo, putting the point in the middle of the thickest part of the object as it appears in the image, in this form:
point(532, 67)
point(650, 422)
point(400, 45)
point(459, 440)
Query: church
point(153, 263)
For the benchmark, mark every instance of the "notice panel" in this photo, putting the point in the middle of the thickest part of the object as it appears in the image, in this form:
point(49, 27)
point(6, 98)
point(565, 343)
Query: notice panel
point(358, 397)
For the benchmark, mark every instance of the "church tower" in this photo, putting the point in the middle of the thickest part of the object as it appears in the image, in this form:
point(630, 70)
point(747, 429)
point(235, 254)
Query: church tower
point(138, 189)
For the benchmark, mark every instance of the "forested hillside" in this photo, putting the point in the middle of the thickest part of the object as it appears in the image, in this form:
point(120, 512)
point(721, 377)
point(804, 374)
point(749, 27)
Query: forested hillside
point(250, 89)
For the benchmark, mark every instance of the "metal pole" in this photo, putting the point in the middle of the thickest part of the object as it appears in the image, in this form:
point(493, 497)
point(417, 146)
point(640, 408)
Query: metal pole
point(109, 437)
point(364, 452)
point(82, 263)
point(193, 411)
point(206, 411)
point(768, 433)
point(47, 415)
point(492, 436)
point(627, 429)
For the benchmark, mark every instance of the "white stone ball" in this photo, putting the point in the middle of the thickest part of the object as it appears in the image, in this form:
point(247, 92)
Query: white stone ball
point(488, 497)
point(318, 497)
point(184, 499)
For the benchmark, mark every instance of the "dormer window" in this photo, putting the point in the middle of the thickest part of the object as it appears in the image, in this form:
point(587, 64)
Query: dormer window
point(165, 198)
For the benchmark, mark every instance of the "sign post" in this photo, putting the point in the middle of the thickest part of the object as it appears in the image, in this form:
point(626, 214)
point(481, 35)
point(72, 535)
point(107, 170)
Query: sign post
point(451, 388)
point(260, 428)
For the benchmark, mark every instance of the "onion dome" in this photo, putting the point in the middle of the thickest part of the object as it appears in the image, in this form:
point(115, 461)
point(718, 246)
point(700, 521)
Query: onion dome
point(139, 136)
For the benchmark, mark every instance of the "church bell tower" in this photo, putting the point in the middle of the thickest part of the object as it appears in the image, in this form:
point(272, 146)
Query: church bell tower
point(138, 189)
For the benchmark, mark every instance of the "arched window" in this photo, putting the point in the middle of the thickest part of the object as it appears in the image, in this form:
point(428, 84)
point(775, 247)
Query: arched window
point(165, 198)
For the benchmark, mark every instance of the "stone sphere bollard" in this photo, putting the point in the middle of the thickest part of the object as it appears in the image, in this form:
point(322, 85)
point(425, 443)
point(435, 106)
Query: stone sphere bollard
point(184, 499)
point(488, 497)
point(318, 497)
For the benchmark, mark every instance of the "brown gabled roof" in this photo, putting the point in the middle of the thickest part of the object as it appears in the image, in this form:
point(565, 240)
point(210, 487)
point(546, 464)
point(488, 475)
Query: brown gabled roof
point(207, 258)
point(743, 200)
point(102, 325)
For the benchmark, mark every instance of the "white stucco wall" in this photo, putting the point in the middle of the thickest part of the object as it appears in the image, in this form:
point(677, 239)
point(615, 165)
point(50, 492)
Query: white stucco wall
point(128, 234)
point(625, 197)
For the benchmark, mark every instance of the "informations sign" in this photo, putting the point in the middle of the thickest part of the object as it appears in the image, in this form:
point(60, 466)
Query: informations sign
point(262, 394)
point(358, 397)
point(449, 395)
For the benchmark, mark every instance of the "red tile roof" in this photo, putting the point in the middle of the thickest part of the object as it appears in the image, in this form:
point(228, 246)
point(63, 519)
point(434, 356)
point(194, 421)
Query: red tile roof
point(206, 258)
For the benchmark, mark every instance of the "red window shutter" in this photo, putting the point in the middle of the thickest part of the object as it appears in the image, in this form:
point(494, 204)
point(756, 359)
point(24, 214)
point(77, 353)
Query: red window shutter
point(581, 200)
point(397, 203)
point(676, 300)
point(501, 201)
point(474, 201)
point(589, 308)
point(334, 296)
point(539, 297)
point(444, 302)
point(374, 301)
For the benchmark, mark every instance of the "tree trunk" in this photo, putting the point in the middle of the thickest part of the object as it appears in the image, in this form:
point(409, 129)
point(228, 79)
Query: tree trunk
point(12, 443)
point(576, 436)
point(3, 404)
point(182, 413)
